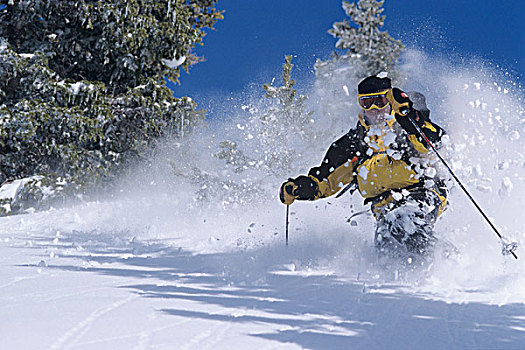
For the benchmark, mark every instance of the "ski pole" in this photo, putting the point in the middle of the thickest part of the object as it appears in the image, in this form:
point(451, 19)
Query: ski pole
point(287, 222)
point(352, 186)
point(507, 248)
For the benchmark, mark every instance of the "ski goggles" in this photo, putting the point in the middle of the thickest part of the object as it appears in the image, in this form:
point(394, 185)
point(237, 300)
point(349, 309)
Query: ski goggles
point(375, 100)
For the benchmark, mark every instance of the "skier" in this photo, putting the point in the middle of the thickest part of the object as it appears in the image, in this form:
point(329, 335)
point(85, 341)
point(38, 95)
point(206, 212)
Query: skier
point(384, 157)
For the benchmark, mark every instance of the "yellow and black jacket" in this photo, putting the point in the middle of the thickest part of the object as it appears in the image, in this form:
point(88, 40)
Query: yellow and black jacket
point(377, 161)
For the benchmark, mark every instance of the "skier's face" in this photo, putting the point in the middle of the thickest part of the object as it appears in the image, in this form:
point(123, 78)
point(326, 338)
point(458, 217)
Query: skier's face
point(377, 116)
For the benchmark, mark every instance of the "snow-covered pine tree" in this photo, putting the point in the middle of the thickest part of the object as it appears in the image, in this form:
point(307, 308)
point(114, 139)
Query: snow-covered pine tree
point(286, 122)
point(278, 129)
point(82, 90)
point(363, 39)
point(264, 145)
point(363, 50)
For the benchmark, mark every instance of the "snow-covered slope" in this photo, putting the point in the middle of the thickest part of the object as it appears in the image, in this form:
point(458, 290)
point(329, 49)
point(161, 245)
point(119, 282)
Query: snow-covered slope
point(156, 270)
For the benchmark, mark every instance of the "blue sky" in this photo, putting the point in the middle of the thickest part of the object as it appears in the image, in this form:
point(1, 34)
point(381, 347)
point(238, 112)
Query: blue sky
point(249, 45)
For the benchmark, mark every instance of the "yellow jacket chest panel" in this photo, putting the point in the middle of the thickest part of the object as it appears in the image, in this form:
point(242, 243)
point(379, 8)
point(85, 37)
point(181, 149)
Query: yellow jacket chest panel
point(381, 173)
point(383, 167)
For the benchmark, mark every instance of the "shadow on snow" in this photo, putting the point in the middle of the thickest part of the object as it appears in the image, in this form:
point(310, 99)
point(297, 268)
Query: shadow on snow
point(314, 311)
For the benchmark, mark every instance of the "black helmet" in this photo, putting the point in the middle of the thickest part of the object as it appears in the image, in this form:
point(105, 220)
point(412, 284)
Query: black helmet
point(374, 84)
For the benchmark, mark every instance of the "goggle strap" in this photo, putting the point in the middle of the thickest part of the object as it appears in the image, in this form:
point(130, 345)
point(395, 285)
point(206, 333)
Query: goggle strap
point(372, 94)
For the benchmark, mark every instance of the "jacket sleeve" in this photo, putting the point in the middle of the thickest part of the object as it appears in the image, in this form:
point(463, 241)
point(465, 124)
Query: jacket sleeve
point(336, 169)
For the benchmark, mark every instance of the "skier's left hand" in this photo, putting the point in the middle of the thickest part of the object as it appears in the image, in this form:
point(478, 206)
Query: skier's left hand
point(400, 102)
point(402, 108)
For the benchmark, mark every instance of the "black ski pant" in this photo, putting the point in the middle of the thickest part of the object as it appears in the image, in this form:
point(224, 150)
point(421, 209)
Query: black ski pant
point(407, 222)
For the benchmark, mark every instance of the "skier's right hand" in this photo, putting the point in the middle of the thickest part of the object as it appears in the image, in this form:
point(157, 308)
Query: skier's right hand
point(286, 193)
point(302, 187)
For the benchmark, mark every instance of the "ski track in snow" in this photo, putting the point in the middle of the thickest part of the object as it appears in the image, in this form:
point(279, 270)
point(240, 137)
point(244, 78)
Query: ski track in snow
point(15, 281)
point(68, 340)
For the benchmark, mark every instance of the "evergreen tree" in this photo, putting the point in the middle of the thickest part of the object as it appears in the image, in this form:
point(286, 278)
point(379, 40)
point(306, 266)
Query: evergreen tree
point(284, 124)
point(366, 50)
point(364, 39)
point(285, 121)
point(82, 92)
point(265, 144)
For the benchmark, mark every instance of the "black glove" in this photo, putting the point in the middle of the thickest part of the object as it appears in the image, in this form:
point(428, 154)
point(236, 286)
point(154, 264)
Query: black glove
point(303, 187)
